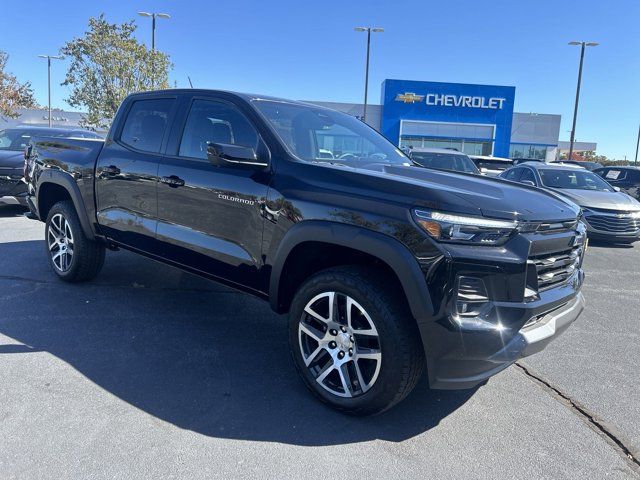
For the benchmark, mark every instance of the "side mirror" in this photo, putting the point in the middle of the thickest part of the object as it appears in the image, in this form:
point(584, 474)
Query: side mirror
point(27, 151)
point(225, 154)
point(617, 189)
point(528, 182)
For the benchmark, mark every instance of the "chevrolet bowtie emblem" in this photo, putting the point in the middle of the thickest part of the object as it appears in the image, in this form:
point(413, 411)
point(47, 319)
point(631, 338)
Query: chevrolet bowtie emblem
point(409, 97)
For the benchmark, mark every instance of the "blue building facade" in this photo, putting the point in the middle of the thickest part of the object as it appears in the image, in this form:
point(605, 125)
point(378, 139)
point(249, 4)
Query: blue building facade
point(475, 119)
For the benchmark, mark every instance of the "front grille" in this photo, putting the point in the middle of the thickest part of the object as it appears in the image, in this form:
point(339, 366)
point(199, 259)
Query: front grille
point(613, 221)
point(557, 227)
point(554, 268)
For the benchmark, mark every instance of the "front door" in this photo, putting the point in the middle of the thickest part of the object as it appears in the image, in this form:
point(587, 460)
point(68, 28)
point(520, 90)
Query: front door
point(209, 216)
point(127, 174)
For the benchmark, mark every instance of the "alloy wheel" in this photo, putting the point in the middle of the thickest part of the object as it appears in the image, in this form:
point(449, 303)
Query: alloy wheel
point(60, 242)
point(340, 345)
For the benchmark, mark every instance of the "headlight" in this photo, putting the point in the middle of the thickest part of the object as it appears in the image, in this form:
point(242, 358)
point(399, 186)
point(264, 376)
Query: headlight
point(446, 227)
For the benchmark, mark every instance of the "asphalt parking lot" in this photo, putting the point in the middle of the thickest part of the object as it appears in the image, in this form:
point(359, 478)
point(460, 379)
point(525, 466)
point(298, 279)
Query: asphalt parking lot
point(148, 372)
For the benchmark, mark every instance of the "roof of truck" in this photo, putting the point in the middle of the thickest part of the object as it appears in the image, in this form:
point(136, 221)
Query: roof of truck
point(245, 96)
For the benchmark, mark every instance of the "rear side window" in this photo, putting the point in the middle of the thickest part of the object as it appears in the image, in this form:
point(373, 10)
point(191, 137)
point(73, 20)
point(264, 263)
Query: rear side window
point(513, 174)
point(614, 175)
point(215, 122)
point(528, 175)
point(146, 123)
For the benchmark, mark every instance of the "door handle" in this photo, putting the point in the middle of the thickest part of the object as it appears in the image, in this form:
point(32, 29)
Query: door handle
point(111, 170)
point(173, 181)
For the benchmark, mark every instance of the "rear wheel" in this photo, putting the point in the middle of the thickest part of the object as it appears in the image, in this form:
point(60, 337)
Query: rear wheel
point(73, 257)
point(353, 341)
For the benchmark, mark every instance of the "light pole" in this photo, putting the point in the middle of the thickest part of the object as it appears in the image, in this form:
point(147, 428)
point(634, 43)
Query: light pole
point(635, 162)
point(49, 57)
point(575, 108)
point(153, 39)
point(366, 75)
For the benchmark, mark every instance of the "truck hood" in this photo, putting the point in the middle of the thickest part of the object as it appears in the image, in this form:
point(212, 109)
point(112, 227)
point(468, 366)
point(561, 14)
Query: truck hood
point(476, 194)
point(597, 199)
point(11, 159)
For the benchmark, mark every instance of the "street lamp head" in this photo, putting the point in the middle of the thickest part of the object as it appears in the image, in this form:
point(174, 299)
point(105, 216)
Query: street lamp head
point(361, 29)
point(377, 29)
point(588, 44)
point(145, 14)
point(163, 15)
point(53, 57)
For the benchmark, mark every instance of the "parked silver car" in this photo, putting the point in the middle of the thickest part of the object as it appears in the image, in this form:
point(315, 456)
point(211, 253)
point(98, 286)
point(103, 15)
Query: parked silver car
point(610, 214)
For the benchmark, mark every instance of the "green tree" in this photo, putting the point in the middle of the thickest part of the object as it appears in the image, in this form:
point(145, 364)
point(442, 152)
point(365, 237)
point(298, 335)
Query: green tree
point(107, 64)
point(13, 94)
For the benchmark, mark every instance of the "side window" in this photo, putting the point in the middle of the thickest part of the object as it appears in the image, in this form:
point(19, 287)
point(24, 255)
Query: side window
point(513, 174)
point(146, 123)
point(215, 122)
point(613, 174)
point(528, 175)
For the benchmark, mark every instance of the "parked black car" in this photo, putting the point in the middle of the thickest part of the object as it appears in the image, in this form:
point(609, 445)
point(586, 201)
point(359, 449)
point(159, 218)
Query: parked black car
point(13, 142)
point(385, 268)
point(625, 178)
point(591, 166)
point(609, 214)
point(443, 159)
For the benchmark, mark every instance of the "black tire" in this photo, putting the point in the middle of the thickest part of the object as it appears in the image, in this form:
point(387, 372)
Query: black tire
point(402, 356)
point(87, 256)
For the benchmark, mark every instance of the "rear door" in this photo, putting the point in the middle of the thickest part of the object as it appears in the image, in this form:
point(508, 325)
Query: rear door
point(127, 172)
point(209, 216)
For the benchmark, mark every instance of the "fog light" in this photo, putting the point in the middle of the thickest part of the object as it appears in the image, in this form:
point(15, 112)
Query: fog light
point(472, 305)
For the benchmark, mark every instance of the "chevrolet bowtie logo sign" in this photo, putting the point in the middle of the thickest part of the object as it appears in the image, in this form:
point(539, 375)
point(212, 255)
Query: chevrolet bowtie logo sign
point(409, 97)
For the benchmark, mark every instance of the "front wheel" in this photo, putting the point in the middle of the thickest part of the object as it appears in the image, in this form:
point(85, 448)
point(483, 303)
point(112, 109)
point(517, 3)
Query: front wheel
point(73, 257)
point(354, 341)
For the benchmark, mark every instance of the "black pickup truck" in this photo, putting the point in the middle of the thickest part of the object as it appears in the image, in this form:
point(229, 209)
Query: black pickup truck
point(386, 269)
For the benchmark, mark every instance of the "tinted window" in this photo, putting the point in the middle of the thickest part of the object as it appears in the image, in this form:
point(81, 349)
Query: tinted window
point(615, 174)
point(513, 174)
point(215, 122)
point(445, 161)
point(528, 175)
point(146, 123)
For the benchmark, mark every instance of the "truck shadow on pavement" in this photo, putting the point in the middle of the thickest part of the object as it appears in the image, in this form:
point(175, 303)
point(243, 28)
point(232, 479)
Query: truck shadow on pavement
point(187, 351)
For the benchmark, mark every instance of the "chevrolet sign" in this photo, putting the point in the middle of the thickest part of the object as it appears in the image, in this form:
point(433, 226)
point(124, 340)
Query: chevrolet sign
point(443, 100)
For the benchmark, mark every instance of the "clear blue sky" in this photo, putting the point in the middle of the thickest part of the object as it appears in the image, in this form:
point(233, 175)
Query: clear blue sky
point(308, 50)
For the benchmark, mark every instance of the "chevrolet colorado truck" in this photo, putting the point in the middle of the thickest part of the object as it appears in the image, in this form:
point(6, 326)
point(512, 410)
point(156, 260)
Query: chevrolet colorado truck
point(386, 270)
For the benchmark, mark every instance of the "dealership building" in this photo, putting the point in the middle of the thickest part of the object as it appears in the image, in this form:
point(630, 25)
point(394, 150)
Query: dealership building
point(474, 119)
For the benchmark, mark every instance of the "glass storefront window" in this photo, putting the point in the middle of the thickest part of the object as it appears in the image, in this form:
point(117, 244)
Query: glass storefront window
point(470, 147)
point(528, 151)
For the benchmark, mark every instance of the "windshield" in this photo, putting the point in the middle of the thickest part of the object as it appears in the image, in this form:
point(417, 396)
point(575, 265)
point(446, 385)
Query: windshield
point(321, 135)
point(578, 179)
point(445, 161)
point(17, 139)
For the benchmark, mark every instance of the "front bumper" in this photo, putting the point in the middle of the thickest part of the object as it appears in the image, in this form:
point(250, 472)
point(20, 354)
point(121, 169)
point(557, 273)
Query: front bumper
point(12, 189)
point(613, 236)
point(474, 356)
